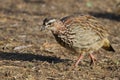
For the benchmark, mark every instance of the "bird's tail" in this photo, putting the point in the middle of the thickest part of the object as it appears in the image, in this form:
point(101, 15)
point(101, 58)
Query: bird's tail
point(110, 48)
point(107, 46)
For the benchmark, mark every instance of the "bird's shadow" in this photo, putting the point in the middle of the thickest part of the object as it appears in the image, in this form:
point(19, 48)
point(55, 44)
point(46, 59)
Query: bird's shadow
point(29, 57)
point(105, 15)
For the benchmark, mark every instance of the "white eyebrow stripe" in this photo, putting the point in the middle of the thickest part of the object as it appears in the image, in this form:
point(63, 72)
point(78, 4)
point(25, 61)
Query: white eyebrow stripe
point(53, 20)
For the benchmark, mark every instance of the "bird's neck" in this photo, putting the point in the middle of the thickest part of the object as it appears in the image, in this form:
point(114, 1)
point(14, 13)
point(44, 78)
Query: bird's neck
point(59, 28)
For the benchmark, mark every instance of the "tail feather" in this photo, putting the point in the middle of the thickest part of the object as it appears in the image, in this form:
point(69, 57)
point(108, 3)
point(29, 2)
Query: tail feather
point(110, 48)
point(107, 46)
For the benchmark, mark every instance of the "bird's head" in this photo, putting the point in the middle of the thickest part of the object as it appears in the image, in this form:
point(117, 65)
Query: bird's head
point(48, 24)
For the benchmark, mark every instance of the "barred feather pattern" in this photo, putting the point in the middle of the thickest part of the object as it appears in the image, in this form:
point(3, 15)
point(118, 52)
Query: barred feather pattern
point(81, 33)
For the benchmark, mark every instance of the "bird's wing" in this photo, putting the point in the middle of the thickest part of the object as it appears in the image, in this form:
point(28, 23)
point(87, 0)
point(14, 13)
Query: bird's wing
point(87, 31)
point(83, 37)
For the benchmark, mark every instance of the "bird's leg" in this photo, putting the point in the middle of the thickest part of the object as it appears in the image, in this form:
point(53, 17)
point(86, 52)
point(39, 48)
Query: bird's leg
point(93, 59)
point(79, 59)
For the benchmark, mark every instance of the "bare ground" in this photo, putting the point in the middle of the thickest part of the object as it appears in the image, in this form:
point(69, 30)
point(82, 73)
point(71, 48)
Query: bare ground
point(28, 54)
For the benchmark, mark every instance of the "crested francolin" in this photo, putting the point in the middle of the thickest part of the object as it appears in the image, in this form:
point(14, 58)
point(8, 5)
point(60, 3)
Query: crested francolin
point(82, 34)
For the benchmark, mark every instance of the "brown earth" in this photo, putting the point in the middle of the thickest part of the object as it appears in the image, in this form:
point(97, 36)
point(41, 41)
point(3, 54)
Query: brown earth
point(28, 54)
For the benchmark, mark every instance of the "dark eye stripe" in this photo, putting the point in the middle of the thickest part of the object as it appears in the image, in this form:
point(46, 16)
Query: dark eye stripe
point(49, 23)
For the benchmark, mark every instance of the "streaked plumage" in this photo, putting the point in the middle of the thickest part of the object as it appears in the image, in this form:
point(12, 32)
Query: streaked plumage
point(82, 34)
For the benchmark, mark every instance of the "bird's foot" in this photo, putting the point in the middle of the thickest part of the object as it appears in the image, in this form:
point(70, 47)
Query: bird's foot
point(93, 59)
point(79, 59)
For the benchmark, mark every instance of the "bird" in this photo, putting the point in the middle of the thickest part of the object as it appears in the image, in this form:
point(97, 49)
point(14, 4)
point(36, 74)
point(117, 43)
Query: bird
point(82, 34)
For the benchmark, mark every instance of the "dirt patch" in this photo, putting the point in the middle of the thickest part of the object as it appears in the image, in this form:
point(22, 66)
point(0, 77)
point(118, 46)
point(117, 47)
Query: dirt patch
point(28, 54)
